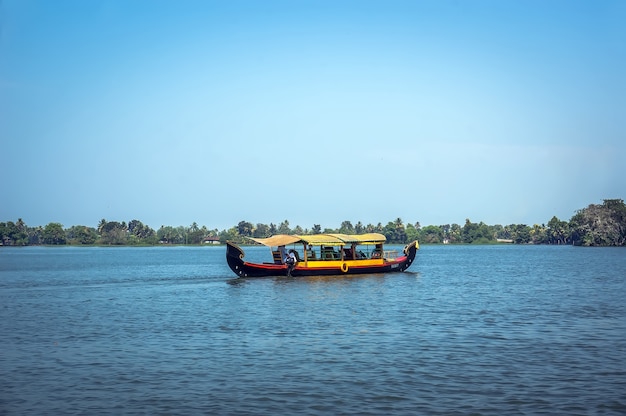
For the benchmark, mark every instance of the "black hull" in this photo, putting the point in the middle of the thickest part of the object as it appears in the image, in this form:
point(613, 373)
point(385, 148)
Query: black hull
point(235, 255)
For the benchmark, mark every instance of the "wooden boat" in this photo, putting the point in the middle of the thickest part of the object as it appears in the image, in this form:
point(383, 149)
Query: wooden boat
point(323, 255)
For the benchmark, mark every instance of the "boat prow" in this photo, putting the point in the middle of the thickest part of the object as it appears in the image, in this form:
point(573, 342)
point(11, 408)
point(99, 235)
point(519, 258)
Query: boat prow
point(410, 251)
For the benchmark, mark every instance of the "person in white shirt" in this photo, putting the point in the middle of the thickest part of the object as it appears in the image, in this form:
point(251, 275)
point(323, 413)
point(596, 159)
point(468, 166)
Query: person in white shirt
point(290, 261)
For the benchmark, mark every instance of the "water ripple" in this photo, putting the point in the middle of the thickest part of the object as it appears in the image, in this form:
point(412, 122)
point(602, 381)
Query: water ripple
point(472, 330)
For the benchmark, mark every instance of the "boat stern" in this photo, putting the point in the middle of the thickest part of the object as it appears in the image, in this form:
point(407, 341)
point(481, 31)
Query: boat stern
point(234, 258)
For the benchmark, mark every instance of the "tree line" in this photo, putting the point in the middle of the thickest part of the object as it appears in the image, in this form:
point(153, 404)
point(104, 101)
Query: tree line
point(596, 225)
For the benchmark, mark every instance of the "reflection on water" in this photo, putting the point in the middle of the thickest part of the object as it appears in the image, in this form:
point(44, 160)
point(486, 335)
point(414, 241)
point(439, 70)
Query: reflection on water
point(482, 330)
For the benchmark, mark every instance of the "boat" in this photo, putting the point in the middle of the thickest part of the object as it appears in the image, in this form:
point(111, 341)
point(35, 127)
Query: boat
point(323, 255)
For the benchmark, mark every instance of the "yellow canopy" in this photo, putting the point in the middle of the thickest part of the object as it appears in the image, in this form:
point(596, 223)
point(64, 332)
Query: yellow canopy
point(277, 240)
point(370, 238)
point(321, 239)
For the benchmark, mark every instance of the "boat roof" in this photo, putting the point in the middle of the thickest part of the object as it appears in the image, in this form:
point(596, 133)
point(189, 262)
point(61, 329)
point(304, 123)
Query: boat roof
point(321, 239)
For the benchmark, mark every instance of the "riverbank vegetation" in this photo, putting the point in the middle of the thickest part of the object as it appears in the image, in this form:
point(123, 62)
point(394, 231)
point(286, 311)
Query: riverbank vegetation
point(595, 225)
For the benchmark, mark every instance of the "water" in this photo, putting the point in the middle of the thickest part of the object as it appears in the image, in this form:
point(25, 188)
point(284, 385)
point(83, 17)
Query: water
point(486, 330)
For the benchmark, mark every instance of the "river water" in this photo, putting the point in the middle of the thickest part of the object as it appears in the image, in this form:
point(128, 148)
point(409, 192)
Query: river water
point(485, 330)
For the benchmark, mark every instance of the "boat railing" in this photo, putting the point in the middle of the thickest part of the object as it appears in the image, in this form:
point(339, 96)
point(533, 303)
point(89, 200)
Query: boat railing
point(390, 254)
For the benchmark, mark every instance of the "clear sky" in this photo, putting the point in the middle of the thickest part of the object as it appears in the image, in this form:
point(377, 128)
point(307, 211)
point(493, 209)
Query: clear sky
point(315, 112)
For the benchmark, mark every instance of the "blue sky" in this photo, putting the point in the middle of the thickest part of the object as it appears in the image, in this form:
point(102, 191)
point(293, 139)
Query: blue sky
point(315, 112)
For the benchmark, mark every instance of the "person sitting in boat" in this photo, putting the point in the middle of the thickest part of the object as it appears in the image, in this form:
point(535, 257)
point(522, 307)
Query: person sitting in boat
point(291, 261)
point(378, 252)
point(329, 253)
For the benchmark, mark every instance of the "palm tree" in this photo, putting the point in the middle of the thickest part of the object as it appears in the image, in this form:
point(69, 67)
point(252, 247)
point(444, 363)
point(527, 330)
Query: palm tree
point(101, 225)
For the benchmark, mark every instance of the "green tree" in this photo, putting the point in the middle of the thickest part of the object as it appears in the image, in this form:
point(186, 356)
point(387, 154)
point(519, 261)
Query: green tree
point(412, 233)
point(21, 235)
point(395, 232)
point(400, 231)
point(455, 234)
point(101, 225)
point(600, 225)
point(35, 235)
point(618, 214)
point(5, 231)
point(13, 234)
point(389, 232)
point(139, 233)
point(245, 228)
point(558, 232)
point(181, 235)
point(261, 231)
point(538, 234)
point(346, 228)
point(196, 234)
point(166, 234)
point(431, 234)
point(519, 233)
point(378, 228)
point(80, 234)
point(113, 233)
point(283, 228)
point(476, 233)
point(232, 234)
point(54, 234)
